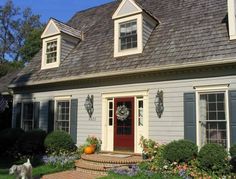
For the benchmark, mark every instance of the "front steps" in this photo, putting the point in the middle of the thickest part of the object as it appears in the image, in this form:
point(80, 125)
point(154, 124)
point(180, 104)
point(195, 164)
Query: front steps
point(102, 163)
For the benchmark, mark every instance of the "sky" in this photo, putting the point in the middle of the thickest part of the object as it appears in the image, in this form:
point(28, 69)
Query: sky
point(62, 10)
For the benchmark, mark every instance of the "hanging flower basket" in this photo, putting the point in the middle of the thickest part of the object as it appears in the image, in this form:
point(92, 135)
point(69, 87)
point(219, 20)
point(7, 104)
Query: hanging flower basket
point(122, 112)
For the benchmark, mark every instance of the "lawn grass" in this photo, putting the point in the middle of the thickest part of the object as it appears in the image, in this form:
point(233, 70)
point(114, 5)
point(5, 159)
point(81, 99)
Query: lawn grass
point(38, 171)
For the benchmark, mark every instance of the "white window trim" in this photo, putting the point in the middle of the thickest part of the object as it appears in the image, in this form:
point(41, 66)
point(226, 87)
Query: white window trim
point(44, 64)
point(139, 48)
point(62, 98)
point(232, 19)
point(22, 110)
point(209, 89)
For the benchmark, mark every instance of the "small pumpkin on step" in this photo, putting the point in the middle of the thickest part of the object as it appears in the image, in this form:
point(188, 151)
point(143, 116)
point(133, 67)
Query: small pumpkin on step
point(90, 149)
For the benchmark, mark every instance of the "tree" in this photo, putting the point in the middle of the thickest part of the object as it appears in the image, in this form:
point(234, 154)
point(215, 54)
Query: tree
point(16, 28)
point(7, 24)
point(31, 46)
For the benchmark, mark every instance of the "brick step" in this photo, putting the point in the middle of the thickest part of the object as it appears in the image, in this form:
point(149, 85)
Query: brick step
point(83, 166)
point(111, 159)
point(102, 163)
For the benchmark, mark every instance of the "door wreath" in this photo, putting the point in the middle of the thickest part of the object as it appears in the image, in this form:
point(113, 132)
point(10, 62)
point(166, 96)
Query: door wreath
point(122, 112)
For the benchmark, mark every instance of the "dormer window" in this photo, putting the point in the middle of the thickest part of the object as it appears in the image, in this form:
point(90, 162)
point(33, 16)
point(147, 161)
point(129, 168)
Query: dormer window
point(51, 52)
point(132, 28)
point(56, 37)
point(128, 35)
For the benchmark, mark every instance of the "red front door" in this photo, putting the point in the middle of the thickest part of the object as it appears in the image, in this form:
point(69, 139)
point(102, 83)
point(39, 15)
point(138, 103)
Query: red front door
point(124, 124)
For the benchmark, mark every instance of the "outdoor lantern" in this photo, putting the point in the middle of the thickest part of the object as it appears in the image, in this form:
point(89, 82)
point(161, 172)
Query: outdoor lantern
point(159, 103)
point(89, 105)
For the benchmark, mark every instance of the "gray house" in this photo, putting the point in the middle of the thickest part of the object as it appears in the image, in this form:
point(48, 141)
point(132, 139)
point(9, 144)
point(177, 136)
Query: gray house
point(165, 70)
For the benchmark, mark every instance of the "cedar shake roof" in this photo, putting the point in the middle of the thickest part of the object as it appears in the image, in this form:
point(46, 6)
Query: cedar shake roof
point(6, 80)
point(190, 32)
point(67, 29)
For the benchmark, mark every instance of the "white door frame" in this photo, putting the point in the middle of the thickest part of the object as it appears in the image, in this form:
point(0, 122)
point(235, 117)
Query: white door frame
point(108, 131)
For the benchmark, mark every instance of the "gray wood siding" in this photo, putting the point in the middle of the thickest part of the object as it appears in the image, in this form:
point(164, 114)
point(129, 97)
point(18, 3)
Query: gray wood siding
point(67, 44)
point(147, 30)
point(169, 127)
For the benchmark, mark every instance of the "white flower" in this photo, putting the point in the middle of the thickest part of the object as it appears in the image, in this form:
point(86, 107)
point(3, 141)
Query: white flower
point(165, 167)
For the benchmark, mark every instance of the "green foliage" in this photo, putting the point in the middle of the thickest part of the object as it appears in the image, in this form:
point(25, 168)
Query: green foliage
point(213, 158)
point(93, 140)
point(15, 25)
point(149, 146)
point(8, 138)
point(31, 45)
point(141, 175)
point(8, 67)
point(32, 142)
point(180, 151)
point(59, 141)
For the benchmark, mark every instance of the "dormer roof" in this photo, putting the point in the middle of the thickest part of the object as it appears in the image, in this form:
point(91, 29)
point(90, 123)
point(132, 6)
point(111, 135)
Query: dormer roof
point(130, 7)
point(55, 27)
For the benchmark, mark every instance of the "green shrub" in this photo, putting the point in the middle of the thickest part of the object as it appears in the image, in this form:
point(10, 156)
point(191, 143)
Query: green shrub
point(8, 139)
point(59, 141)
point(32, 142)
point(180, 151)
point(213, 158)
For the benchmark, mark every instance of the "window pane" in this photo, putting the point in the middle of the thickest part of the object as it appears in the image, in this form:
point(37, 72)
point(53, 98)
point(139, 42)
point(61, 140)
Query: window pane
point(212, 110)
point(110, 115)
point(220, 97)
point(128, 35)
point(27, 120)
point(220, 107)
point(211, 97)
point(51, 51)
point(212, 106)
point(63, 115)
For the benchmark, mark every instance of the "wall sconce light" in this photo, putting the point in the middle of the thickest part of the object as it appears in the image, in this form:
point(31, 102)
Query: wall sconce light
point(159, 103)
point(89, 105)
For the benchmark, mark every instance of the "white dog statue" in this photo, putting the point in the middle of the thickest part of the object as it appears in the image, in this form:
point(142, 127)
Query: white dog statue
point(23, 171)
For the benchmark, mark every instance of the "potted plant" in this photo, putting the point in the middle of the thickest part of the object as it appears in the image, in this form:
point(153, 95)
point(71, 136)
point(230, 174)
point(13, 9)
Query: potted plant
point(93, 144)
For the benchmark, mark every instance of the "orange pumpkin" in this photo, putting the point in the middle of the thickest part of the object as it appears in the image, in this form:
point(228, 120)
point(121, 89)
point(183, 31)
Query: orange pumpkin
point(89, 150)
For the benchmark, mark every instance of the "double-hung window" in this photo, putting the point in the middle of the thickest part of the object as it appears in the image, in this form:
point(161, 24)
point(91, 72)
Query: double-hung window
point(213, 118)
point(63, 115)
point(27, 116)
point(128, 35)
point(51, 51)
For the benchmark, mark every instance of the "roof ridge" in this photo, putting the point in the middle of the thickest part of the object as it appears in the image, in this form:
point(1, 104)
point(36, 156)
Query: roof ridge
point(91, 8)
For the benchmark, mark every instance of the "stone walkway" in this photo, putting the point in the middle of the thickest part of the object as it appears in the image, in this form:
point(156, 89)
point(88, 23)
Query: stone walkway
point(71, 175)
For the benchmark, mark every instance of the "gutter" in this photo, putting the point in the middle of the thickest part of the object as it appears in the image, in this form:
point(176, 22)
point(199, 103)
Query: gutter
point(129, 72)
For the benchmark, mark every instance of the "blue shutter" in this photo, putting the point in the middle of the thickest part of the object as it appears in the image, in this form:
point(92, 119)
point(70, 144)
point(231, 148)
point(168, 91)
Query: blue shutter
point(73, 119)
point(232, 112)
point(50, 116)
point(36, 114)
point(18, 115)
point(190, 117)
